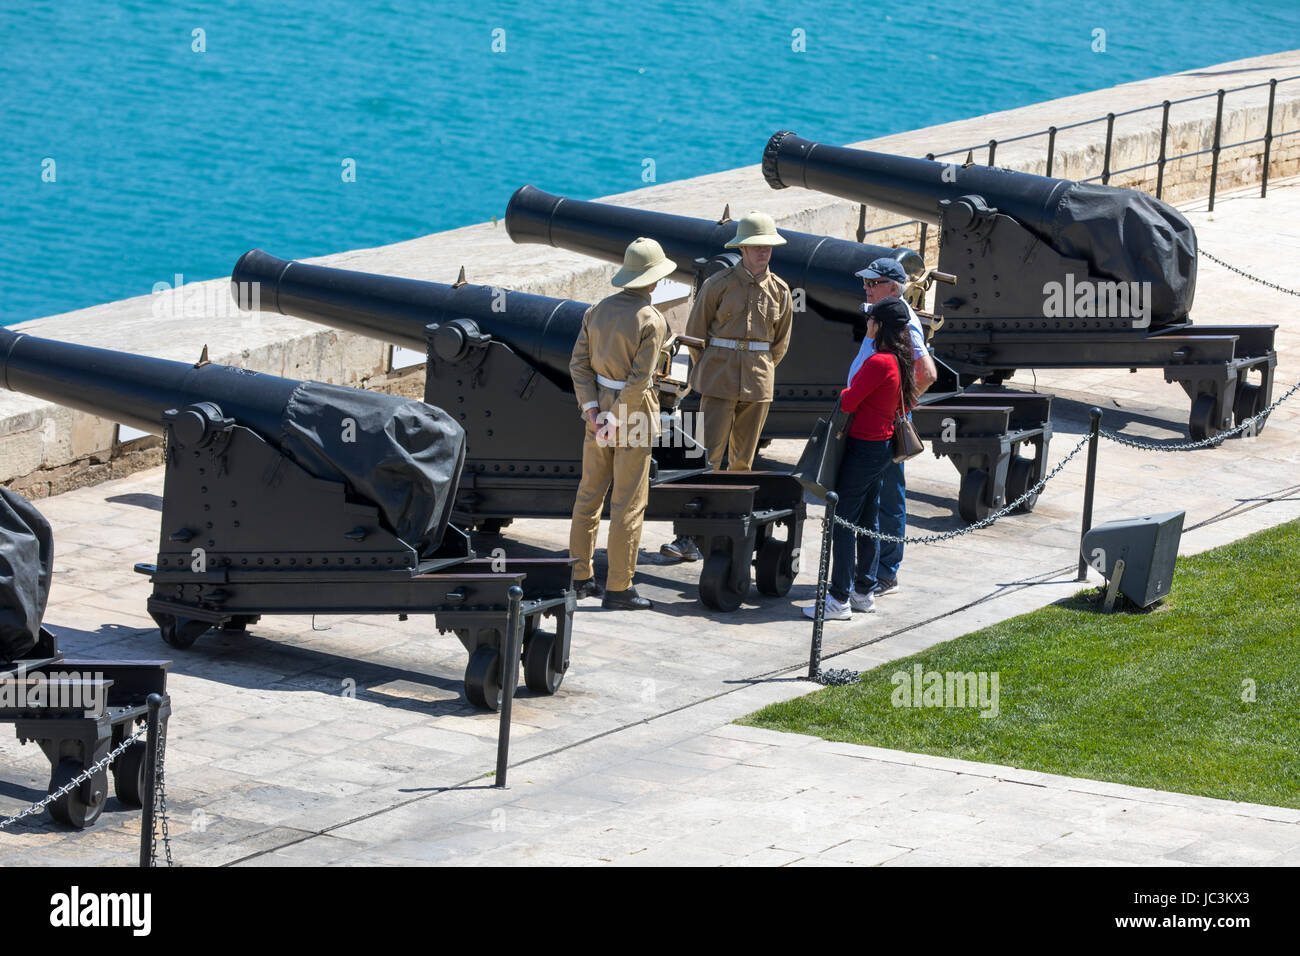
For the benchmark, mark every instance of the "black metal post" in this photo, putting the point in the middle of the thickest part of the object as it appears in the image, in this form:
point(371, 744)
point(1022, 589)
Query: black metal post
point(862, 221)
point(1051, 149)
point(1164, 139)
point(993, 150)
point(1214, 158)
point(153, 721)
point(1094, 431)
point(823, 573)
point(509, 680)
point(1110, 137)
point(924, 226)
point(1268, 137)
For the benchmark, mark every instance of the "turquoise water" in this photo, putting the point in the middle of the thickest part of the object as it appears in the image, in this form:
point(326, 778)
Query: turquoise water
point(167, 160)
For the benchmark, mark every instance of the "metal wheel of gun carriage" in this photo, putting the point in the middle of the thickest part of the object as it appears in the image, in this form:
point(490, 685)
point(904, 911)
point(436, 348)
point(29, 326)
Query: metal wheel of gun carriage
point(1053, 274)
point(88, 709)
point(289, 497)
point(500, 361)
point(980, 437)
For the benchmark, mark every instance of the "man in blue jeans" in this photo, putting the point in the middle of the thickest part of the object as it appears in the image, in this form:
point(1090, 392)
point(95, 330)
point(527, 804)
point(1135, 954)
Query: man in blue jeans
point(886, 278)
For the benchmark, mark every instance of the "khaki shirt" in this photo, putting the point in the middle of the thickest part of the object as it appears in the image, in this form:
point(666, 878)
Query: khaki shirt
point(734, 305)
point(621, 338)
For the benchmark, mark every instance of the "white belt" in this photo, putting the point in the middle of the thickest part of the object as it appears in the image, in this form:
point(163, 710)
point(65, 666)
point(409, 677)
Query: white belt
point(740, 345)
point(611, 383)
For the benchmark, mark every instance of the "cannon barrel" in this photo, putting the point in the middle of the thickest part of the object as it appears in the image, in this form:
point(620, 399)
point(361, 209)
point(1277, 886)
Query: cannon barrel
point(396, 310)
point(400, 454)
point(822, 266)
point(136, 389)
point(1123, 234)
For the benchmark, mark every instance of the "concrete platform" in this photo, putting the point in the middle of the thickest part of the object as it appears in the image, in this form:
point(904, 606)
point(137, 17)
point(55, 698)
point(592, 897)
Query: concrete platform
point(635, 761)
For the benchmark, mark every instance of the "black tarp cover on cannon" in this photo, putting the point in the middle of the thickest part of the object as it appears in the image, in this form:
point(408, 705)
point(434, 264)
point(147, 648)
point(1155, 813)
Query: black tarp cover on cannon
point(26, 564)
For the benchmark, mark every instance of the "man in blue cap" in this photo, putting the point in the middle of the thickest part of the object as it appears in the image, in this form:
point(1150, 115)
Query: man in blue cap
point(886, 278)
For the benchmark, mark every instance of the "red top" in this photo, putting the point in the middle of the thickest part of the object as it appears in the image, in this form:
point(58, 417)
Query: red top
point(873, 397)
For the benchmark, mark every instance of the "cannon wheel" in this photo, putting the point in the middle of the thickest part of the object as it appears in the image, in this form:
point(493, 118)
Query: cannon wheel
point(181, 632)
point(775, 571)
point(483, 678)
point(1248, 404)
point(70, 809)
point(715, 583)
point(1200, 422)
point(540, 674)
point(972, 501)
point(128, 774)
point(1020, 478)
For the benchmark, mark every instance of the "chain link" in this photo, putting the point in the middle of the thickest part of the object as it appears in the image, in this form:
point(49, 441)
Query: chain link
point(77, 781)
point(160, 801)
point(1242, 272)
point(1249, 423)
point(837, 677)
point(983, 522)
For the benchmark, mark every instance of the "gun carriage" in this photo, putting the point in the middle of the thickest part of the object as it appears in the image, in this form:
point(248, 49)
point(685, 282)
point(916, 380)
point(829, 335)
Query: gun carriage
point(500, 361)
point(1053, 274)
point(289, 497)
point(828, 325)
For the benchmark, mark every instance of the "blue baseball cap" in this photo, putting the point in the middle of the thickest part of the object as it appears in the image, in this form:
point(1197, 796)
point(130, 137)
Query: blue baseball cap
point(884, 269)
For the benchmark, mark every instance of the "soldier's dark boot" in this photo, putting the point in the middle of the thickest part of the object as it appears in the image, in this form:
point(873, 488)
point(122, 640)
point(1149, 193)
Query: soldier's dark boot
point(627, 600)
point(588, 588)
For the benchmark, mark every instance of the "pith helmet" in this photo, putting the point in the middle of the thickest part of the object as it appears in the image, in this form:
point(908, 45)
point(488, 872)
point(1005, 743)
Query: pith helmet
point(644, 263)
point(756, 229)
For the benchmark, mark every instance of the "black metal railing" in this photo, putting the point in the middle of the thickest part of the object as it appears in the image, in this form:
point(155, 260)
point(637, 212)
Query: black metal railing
point(1107, 173)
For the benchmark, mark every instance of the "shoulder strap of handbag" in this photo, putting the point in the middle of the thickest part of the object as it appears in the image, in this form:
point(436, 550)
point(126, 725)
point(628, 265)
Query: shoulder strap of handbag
point(902, 411)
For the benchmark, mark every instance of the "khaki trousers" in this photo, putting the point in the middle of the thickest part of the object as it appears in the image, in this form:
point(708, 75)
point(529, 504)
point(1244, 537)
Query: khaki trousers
point(628, 469)
point(733, 428)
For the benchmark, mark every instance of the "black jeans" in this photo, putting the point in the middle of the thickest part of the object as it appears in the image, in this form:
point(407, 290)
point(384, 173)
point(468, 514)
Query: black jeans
point(861, 472)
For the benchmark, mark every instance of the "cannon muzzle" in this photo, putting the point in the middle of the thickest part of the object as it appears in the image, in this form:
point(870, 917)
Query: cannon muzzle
point(1123, 235)
point(401, 455)
point(396, 310)
point(821, 266)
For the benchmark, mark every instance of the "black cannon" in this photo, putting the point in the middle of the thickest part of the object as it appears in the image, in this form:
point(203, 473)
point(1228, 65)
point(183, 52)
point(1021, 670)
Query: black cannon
point(288, 497)
point(1053, 274)
point(76, 711)
point(828, 325)
point(500, 360)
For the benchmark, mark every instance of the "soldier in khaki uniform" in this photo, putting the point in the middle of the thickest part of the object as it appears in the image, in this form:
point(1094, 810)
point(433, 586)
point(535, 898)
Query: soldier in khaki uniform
point(613, 364)
point(744, 316)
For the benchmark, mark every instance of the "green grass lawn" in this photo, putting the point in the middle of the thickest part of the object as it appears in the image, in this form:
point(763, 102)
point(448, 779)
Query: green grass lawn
point(1158, 699)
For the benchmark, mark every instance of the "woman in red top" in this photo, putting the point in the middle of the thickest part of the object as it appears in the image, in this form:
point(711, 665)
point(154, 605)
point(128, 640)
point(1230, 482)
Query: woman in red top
point(882, 386)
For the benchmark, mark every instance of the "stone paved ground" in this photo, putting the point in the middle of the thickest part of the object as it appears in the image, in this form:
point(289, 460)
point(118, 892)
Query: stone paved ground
point(635, 760)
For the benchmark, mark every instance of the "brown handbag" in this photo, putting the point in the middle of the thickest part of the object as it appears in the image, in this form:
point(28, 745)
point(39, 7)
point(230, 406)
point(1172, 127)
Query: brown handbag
point(905, 443)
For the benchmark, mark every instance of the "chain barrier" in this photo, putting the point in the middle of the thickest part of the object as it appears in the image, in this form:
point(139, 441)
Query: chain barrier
point(160, 802)
point(983, 522)
point(77, 781)
point(1242, 272)
point(836, 677)
point(1248, 424)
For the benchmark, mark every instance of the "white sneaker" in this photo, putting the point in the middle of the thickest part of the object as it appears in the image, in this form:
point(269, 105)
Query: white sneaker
point(862, 602)
point(835, 611)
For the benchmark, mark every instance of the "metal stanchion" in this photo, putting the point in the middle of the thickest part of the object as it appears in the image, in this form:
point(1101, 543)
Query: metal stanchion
point(509, 681)
point(1094, 432)
point(154, 702)
point(823, 573)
